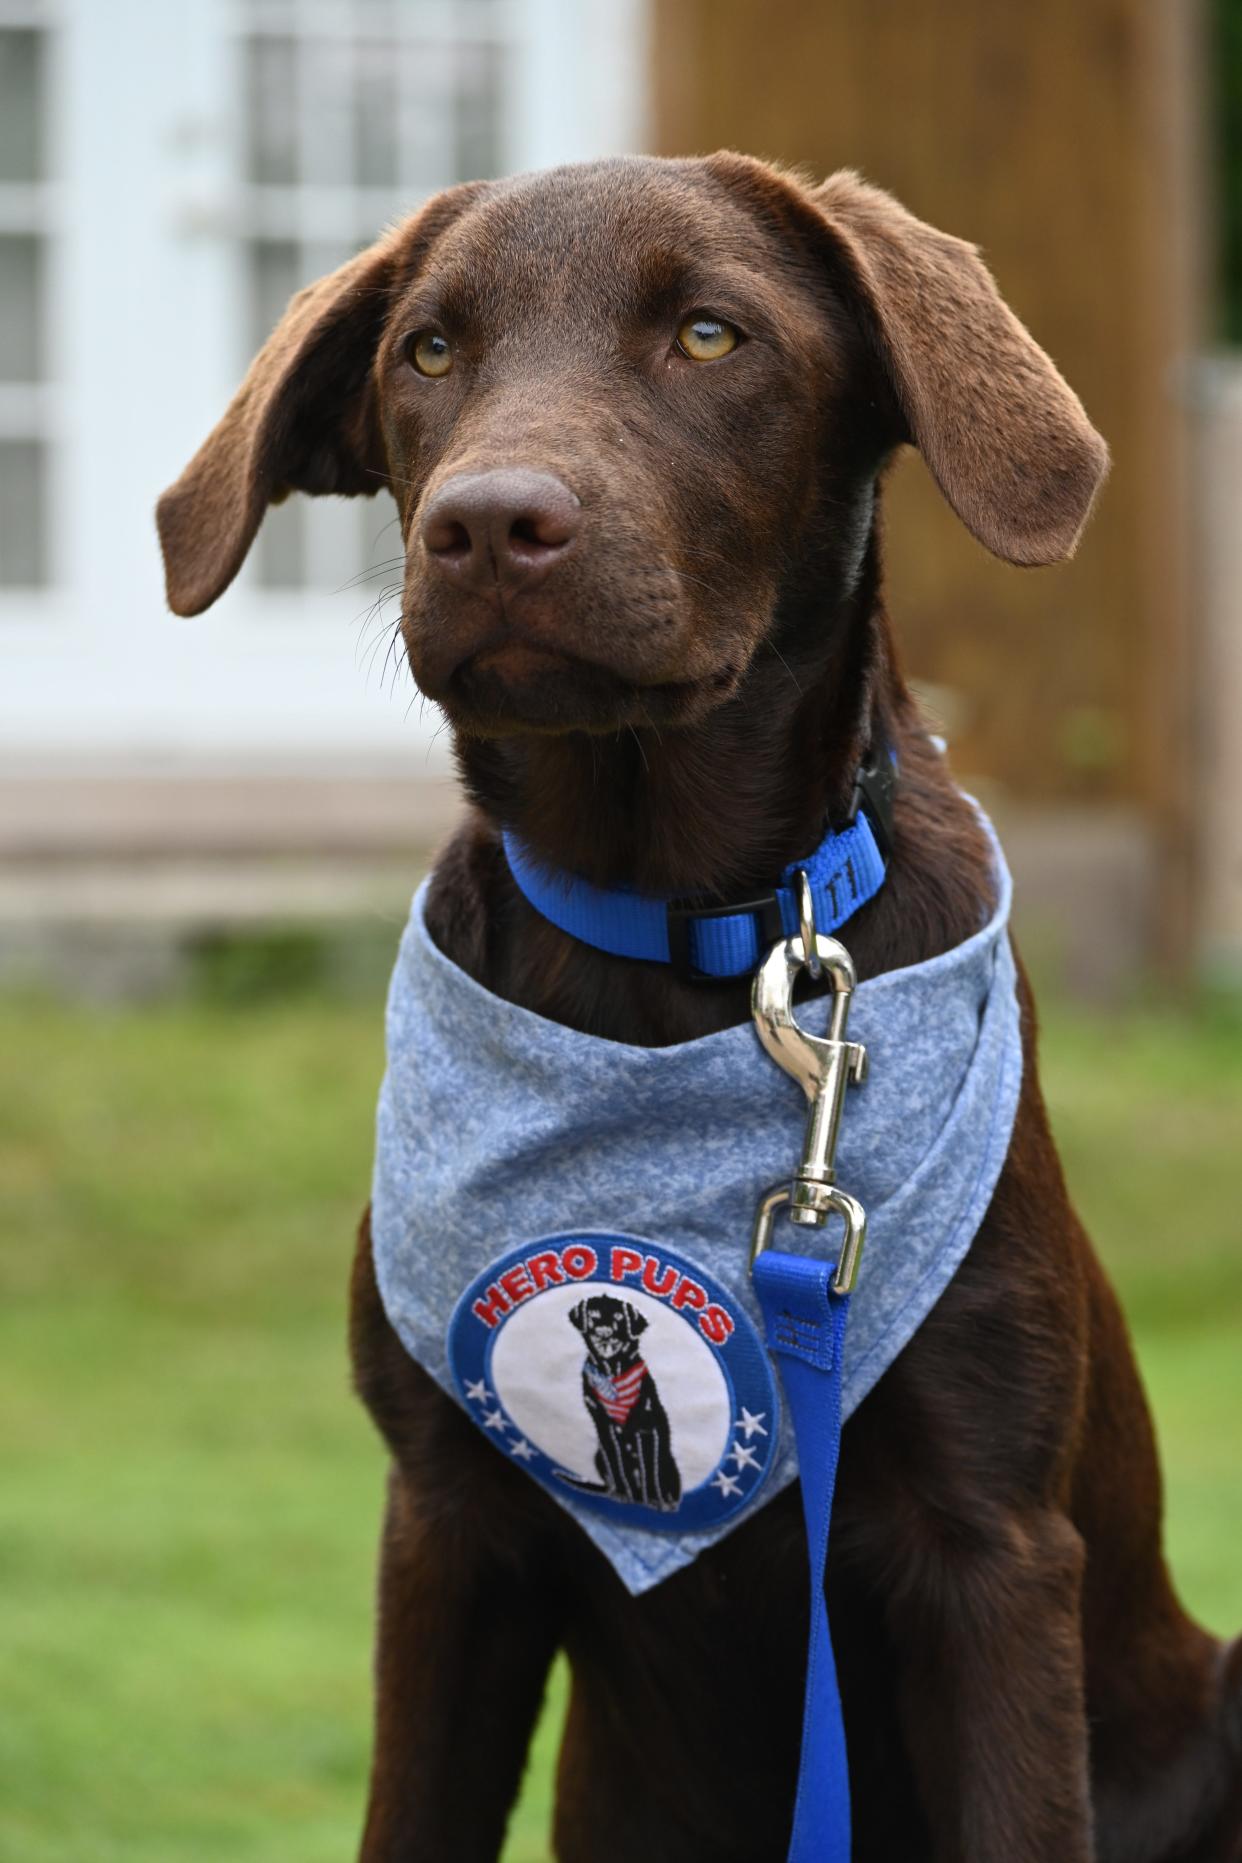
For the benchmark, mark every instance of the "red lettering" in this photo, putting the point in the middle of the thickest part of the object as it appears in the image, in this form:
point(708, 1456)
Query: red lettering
point(545, 1268)
point(491, 1307)
point(715, 1325)
point(625, 1261)
point(689, 1294)
point(579, 1261)
point(517, 1283)
point(662, 1287)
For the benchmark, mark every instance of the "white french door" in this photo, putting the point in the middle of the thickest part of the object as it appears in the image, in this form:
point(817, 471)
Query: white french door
point(169, 174)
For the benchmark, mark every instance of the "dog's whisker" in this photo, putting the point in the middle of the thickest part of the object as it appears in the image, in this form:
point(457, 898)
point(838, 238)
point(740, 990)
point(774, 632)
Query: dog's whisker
point(369, 575)
point(788, 668)
point(391, 478)
point(395, 663)
point(650, 722)
point(642, 753)
point(702, 583)
point(378, 626)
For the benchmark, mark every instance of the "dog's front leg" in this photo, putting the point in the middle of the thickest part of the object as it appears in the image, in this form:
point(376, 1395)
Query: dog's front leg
point(954, 1488)
point(991, 1694)
point(468, 1619)
point(461, 1663)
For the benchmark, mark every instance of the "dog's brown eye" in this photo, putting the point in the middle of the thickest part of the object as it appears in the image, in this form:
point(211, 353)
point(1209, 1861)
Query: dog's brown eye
point(429, 352)
point(706, 339)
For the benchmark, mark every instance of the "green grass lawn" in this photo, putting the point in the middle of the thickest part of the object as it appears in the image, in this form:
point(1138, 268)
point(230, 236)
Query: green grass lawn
point(188, 1493)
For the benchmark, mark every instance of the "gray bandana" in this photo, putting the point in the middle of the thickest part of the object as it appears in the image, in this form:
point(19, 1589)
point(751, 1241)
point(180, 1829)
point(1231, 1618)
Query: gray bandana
point(561, 1224)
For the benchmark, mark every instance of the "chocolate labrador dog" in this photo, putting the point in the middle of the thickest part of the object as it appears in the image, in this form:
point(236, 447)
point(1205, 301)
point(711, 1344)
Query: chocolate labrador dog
point(635, 416)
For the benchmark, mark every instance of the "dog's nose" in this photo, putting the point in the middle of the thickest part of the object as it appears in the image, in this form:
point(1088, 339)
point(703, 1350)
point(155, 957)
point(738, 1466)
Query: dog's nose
point(507, 526)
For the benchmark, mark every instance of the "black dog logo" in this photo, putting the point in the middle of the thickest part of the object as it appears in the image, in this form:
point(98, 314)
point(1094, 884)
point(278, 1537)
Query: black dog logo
point(634, 1460)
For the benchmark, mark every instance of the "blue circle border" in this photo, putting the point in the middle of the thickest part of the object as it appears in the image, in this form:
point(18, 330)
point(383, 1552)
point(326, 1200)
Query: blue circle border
point(740, 1475)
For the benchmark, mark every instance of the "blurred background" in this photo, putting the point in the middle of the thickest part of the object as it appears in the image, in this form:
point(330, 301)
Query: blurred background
point(209, 829)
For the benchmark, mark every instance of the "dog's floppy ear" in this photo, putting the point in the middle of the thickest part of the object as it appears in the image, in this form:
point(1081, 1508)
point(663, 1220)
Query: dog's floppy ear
point(1004, 435)
point(577, 1316)
point(634, 1320)
point(303, 420)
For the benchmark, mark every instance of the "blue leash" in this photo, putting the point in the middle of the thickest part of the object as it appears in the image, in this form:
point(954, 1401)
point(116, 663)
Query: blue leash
point(805, 1304)
point(805, 1325)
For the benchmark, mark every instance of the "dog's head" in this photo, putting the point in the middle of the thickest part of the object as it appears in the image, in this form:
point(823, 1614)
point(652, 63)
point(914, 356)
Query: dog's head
point(628, 410)
point(611, 1329)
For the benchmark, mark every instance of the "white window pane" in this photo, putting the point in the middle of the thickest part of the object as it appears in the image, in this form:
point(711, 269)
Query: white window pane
point(275, 274)
point(21, 307)
point(21, 105)
point(477, 152)
point(375, 115)
point(328, 113)
point(429, 111)
point(272, 111)
point(22, 514)
point(280, 549)
point(337, 543)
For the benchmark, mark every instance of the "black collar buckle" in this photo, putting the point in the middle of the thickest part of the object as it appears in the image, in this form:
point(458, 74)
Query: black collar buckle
point(875, 787)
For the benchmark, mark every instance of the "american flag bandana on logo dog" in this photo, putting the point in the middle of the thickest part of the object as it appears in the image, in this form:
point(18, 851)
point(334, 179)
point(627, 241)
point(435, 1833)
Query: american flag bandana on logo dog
point(617, 1396)
point(561, 1225)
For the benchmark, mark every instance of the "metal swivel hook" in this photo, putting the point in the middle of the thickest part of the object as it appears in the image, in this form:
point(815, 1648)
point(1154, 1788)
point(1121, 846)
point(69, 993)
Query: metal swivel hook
point(823, 1066)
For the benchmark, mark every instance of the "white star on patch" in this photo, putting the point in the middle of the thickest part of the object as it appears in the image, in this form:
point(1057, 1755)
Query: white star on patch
point(749, 1424)
point(478, 1392)
point(496, 1420)
point(728, 1484)
point(522, 1450)
point(744, 1457)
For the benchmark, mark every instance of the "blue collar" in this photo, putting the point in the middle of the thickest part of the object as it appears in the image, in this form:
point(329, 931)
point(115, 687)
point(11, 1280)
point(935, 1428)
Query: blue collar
point(706, 941)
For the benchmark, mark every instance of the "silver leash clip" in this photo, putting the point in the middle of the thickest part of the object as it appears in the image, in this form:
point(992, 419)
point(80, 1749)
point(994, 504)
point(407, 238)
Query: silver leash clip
point(823, 1066)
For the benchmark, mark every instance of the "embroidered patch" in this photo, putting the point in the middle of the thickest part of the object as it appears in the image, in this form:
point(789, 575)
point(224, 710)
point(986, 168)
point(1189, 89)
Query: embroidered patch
point(619, 1373)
